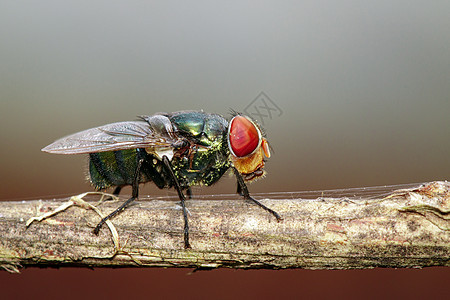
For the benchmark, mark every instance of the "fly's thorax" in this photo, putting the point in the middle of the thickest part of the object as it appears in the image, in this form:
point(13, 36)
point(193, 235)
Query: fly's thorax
point(202, 165)
point(200, 153)
point(206, 129)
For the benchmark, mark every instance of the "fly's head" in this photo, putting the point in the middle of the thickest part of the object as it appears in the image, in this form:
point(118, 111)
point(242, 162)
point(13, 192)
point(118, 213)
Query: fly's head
point(247, 147)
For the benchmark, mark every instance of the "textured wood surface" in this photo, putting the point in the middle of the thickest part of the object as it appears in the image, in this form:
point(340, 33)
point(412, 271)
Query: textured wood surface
point(406, 228)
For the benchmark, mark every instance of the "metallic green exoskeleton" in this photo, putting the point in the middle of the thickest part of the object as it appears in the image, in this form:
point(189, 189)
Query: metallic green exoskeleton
point(177, 150)
point(203, 164)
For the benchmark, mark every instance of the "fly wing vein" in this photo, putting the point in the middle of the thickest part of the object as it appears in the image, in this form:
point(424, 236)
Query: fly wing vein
point(110, 137)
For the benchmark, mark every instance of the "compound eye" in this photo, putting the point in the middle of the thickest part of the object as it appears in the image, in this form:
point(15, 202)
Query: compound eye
point(243, 136)
point(265, 146)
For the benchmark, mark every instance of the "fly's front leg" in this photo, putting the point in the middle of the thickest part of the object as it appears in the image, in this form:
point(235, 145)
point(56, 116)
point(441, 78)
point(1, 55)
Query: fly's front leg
point(169, 167)
point(239, 189)
point(243, 190)
point(134, 195)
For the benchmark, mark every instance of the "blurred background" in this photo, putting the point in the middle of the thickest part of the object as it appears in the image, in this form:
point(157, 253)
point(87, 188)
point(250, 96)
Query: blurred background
point(358, 92)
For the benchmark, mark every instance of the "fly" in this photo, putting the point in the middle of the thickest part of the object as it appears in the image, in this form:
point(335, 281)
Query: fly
point(179, 150)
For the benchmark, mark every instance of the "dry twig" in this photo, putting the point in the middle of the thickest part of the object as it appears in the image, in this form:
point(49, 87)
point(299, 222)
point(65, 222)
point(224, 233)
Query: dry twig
point(406, 228)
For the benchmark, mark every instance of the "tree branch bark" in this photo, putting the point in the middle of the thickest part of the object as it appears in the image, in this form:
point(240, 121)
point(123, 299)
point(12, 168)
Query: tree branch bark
point(407, 228)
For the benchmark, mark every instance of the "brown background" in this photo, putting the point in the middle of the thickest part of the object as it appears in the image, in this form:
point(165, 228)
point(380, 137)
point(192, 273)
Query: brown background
point(364, 90)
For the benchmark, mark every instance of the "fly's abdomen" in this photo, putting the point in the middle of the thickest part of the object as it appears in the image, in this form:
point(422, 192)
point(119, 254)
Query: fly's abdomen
point(118, 168)
point(113, 168)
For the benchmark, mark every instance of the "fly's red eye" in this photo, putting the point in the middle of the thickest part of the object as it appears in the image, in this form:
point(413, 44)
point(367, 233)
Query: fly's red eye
point(243, 136)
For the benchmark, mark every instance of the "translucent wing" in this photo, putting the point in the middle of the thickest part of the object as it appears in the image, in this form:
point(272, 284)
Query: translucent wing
point(111, 137)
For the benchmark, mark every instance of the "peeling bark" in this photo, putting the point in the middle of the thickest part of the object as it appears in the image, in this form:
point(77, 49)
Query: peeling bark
point(407, 228)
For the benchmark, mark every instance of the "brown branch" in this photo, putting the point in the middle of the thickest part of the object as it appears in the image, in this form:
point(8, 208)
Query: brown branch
point(408, 228)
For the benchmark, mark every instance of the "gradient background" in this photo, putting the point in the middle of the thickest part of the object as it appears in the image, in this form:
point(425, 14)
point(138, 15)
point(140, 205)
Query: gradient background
point(364, 88)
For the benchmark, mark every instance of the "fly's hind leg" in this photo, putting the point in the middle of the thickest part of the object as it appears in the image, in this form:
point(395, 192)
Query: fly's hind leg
point(134, 195)
point(243, 190)
point(169, 167)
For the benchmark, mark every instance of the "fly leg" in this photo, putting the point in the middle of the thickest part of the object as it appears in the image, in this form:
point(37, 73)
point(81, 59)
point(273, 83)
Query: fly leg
point(189, 193)
point(117, 190)
point(134, 195)
point(239, 189)
point(168, 165)
point(243, 190)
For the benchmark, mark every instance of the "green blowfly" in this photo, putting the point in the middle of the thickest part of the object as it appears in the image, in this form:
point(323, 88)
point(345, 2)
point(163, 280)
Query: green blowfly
point(178, 150)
